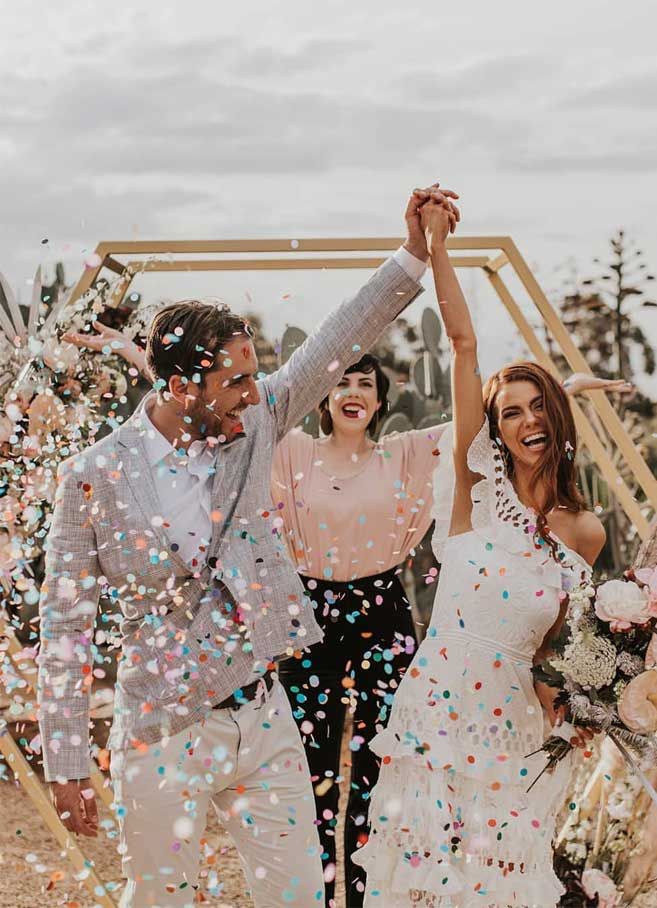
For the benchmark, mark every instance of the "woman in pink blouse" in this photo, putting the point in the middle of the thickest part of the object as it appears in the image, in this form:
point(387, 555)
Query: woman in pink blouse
point(352, 511)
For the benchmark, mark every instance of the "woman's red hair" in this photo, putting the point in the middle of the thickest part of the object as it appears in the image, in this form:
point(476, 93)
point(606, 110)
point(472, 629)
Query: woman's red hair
point(555, 472)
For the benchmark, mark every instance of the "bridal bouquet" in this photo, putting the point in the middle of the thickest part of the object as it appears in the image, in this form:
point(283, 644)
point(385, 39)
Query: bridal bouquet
point(604, 664)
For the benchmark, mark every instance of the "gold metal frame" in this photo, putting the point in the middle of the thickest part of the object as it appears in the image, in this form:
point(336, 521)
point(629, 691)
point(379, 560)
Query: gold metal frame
point(500, 252)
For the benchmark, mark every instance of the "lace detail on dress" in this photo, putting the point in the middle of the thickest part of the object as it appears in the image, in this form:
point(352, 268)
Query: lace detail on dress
point(434, 844)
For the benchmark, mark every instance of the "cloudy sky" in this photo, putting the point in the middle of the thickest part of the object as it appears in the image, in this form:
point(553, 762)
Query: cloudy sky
point(212, 120)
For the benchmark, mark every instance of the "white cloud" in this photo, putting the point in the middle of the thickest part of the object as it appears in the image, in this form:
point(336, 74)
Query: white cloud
point(286, 118)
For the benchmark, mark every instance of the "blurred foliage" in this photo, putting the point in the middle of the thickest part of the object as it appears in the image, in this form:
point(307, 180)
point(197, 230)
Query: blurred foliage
point(600, 315)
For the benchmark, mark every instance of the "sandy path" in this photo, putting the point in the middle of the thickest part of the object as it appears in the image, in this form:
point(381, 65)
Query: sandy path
point(34, 871)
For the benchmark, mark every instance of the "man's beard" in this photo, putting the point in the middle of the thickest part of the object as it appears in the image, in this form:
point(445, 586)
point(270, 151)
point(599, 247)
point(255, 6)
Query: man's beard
point(204, 422)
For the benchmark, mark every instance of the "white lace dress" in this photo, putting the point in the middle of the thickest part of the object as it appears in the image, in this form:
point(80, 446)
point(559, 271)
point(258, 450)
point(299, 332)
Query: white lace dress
point(452, 825)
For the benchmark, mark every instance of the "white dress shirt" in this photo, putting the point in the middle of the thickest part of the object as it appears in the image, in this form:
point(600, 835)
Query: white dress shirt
point(183, 479)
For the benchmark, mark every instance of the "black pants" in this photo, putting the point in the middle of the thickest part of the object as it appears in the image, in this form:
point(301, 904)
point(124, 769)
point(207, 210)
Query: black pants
point(369, 641)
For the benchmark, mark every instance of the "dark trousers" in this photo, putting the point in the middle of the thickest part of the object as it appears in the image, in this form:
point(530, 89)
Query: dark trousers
point(369, 641)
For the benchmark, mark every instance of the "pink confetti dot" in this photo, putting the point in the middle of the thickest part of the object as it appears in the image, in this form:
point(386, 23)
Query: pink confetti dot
point(333, 366)
point(93, 261)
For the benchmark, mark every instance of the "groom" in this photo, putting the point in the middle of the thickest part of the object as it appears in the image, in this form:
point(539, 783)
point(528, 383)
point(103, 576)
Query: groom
point(169, 516)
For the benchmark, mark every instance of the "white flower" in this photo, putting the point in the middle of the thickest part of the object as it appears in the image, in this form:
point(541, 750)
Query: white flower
point(588, 661)
point(622, 604)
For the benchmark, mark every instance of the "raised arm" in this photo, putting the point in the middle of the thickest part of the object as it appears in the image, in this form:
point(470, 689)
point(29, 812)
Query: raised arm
point(350, 330)
point(467, 399)
point(68, 606)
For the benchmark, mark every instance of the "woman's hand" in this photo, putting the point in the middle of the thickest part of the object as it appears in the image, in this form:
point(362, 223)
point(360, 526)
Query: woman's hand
point(438, 220)
point(584, 381)
point(416, 242)
point(109, 340)
point(557, 716)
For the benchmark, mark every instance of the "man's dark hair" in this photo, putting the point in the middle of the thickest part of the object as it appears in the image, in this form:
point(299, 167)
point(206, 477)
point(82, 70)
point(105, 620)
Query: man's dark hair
point(186, 338)
point(366, 364)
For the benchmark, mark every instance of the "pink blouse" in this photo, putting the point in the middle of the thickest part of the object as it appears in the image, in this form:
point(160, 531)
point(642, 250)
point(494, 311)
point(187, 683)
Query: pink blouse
point(342, 529)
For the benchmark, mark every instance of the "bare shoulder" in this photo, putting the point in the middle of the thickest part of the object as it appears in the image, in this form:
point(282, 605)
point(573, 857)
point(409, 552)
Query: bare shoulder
point(590, 535)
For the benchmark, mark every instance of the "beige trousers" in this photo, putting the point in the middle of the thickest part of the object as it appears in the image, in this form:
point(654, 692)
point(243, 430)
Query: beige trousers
point(250, 764)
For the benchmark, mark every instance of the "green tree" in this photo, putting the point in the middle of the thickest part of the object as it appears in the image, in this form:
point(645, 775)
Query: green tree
point(620, 291)
point(600, 315)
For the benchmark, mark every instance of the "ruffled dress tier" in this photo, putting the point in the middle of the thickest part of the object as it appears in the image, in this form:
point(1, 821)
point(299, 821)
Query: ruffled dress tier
point(452, 823)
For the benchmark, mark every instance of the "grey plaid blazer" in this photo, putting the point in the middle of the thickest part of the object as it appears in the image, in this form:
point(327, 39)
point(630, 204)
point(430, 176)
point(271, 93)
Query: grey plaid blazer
point(188, 640)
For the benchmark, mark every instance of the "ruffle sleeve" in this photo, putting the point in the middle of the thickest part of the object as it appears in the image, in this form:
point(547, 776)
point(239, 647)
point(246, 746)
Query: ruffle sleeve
point(497, 512)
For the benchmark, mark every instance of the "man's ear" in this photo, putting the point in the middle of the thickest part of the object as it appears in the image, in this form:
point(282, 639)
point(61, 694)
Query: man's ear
point(181, 389)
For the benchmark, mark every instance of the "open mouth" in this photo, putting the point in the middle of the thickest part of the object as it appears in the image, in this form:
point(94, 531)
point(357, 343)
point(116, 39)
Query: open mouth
point(537, 440)
point(235, 415)
point(354, 411)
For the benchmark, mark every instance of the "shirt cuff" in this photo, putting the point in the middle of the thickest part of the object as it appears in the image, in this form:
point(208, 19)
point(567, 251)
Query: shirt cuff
point(413, 267)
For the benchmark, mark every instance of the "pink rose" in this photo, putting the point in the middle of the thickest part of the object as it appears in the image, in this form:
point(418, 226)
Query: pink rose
point(649, 577)
point(622, 604)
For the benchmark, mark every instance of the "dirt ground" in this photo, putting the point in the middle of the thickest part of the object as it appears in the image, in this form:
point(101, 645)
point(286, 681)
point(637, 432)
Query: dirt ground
point(35, 873)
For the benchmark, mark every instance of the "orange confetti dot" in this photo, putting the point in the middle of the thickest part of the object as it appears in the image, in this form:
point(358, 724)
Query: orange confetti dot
point(495, 786)
point(492, 823)
point(386, 760)
point(471, 759)
point(216, 516)
point(497, 711)
point(497, 663)
point(348, 682)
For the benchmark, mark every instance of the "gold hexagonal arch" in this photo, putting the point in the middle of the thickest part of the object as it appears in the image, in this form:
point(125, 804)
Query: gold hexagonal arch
point(493, 254)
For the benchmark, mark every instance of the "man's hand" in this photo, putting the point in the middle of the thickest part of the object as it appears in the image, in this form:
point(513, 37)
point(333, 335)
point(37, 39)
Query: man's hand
point(416, 242)
point(75, 803)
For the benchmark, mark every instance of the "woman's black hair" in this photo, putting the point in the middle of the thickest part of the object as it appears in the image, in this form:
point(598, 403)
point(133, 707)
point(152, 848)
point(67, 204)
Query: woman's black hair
point(368, 363)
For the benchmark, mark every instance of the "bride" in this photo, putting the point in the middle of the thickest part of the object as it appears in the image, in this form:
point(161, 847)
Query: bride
point(452, 823)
